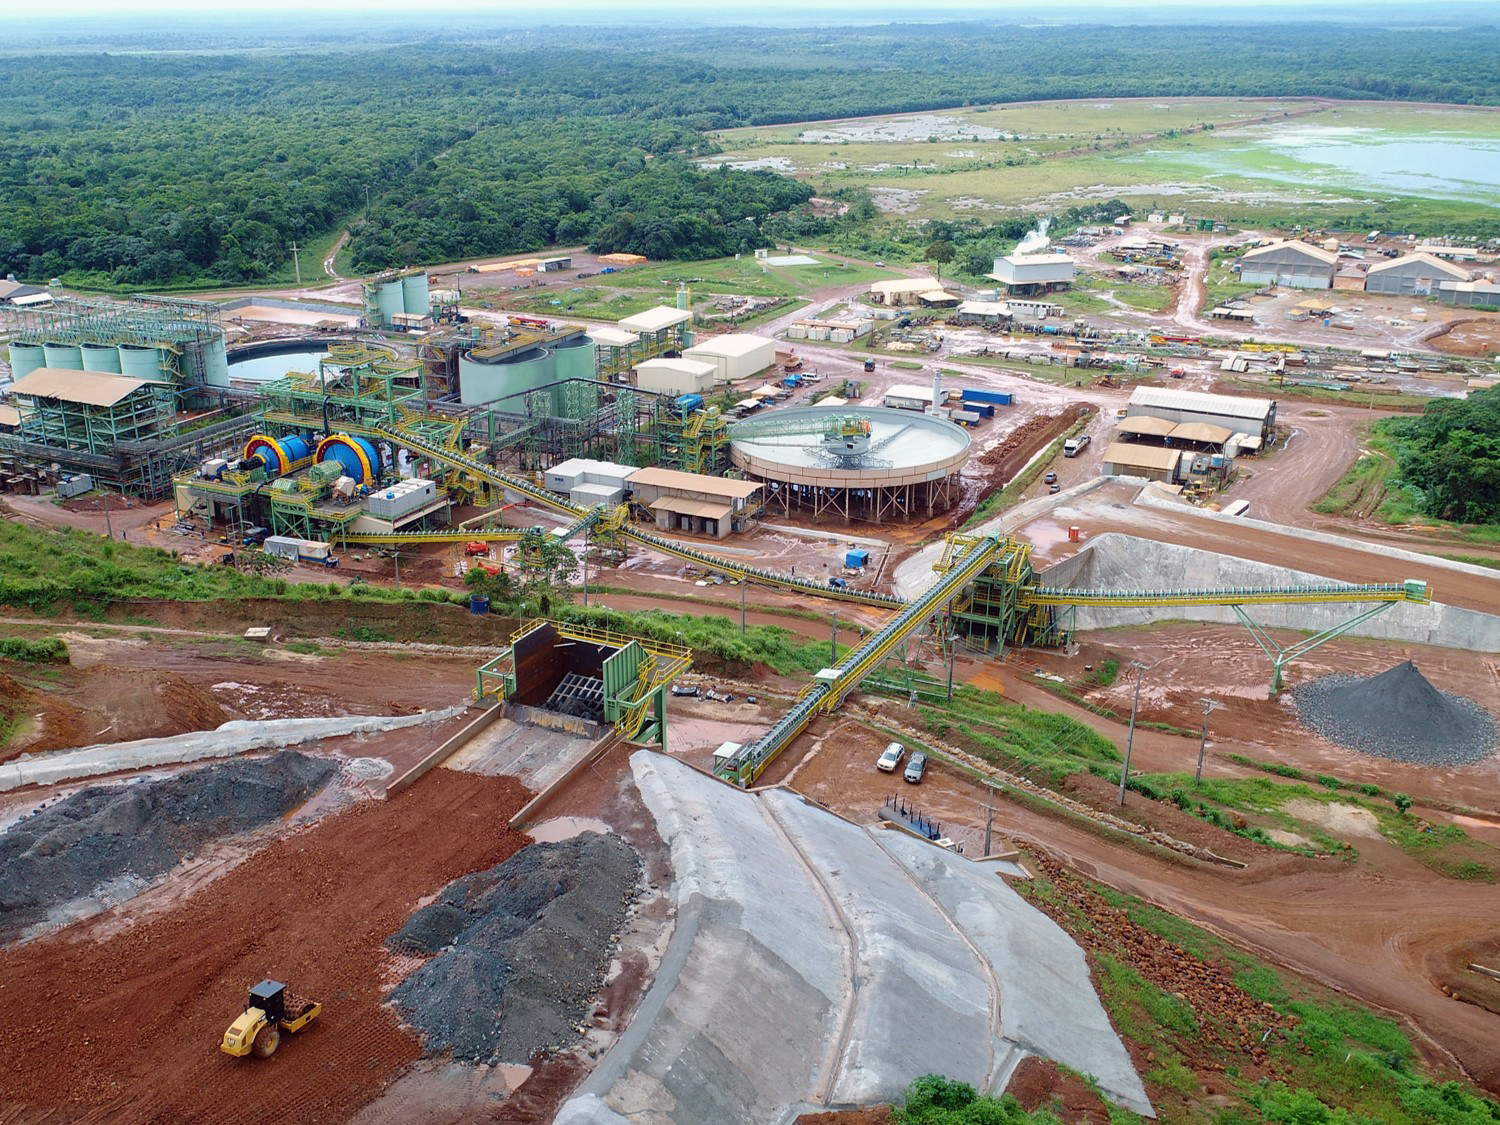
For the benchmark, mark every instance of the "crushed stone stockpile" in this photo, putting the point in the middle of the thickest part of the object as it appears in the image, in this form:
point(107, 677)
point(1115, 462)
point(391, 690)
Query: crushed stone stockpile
point(1397, 715)
point(118, 832)
point(521, 949)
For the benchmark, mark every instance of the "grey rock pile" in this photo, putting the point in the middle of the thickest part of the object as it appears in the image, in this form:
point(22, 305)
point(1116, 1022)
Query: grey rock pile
point(67, 850)
point(1397, 715)
point(523, 949)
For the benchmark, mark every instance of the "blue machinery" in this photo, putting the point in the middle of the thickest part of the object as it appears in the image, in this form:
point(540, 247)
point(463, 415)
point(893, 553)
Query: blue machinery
point(986, 582)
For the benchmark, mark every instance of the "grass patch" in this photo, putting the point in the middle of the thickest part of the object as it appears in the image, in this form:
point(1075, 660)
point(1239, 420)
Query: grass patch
point(306, 648)
point(1474, 560)
point(904, 365)
point(22, 650)
point(1105, 675)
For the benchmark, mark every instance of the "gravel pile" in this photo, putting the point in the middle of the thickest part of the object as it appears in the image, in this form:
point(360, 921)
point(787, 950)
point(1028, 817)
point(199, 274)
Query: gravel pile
point(525, 946)
point(105, 834)
point(1397, 715)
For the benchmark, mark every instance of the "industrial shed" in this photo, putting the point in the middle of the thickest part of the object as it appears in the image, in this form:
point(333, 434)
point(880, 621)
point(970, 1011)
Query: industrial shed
point(1034, 273)
point(1145, 426)
point(1289, 263)
point(1253, 416)
point(1467, 294)
point(1412, 275)
point(982, 312)
point(675, 376)
point(661, 325)
point(701, 505)
point(736, 356)
point(908, 396)
point(901, 290)
point(1123, 459)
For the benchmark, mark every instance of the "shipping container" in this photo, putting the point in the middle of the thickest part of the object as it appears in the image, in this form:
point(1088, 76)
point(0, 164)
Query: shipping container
point(996, 398)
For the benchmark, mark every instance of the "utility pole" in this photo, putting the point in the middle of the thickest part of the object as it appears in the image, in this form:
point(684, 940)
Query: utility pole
point(989, 819)
point(296, 262)
point(952, 651)
point(1209, 706)
point(1140, 671)
point(833, 642)
point(742, 607)
point(396, 555)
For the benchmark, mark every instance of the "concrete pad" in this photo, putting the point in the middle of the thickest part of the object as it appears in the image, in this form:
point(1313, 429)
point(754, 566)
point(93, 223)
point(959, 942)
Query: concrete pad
point(817, 963)
point(236, 737)
point(735, 1025)
point(1050, 1007)
point(536, 755)
point(925, 1002)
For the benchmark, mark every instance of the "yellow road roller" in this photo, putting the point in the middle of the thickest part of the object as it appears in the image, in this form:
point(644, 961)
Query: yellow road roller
point(270, 1010)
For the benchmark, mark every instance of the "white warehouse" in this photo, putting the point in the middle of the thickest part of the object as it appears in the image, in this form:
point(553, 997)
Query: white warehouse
point(1034, 273)
point(1253, 416)
point(735, 357)
point(1295, 264)
point(675, 376)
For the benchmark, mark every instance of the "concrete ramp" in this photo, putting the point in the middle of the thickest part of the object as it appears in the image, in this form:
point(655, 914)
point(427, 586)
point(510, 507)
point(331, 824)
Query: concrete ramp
point(816, 963)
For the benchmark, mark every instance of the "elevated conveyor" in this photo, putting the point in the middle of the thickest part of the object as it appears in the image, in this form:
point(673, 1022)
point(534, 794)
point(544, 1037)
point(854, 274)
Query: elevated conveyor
point(587, 517)
point(396, 538)
point(1409, 591)
point(831, 685)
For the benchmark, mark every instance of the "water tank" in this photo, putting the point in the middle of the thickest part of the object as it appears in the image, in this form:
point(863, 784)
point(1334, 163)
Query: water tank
point(64, 357)
point(684, 298)
point(390, 302)
point(279, 454)
point(414, 295)
point(101, 357)
point(356, 455)
point(480, 382)
point(206, 362)
point(26, 358)
point(575, 360)
point(140, 362)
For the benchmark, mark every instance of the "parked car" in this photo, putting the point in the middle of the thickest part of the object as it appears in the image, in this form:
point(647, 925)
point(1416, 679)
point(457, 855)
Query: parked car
point(916, 767)
point(1050, 478)
point(891, 757)
point(1054, 488)
point(838, 583)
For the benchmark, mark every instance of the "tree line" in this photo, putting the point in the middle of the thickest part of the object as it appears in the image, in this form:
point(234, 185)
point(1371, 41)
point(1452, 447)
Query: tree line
point(142, 170)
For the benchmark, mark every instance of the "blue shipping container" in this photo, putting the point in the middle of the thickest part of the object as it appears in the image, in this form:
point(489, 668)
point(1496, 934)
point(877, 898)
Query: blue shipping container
point(998, 398)
point(857, 558)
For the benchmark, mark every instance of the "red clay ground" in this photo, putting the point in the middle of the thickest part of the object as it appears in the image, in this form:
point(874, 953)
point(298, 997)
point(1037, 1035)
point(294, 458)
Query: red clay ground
point(145, 1008)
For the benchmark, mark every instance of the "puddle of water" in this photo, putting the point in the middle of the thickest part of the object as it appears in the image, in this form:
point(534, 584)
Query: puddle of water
point(565, 828)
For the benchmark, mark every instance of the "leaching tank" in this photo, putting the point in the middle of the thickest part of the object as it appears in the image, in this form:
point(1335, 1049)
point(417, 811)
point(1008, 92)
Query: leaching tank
point(279, 454)
point(26, 358)
point(101, 357)
point(63, 357)
point(869, 463)
point(356, 455)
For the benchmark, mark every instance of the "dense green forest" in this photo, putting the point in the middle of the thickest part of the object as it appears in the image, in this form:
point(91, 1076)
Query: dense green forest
point(1451, 454)
point(155, 170)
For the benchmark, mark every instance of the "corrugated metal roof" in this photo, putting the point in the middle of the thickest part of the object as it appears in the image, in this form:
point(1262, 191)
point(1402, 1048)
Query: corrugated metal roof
point(1197, 401)
point(1141, 456)
point(693, 482)
point(1442, 268)
point(656, 320)
point(1201, 431)
point(1317, 253)
point(685, 366)
point(731, 347)
point(9, 415)
point(91, 388)
point(612, 337)
point(685, 507)
point(1145, 424)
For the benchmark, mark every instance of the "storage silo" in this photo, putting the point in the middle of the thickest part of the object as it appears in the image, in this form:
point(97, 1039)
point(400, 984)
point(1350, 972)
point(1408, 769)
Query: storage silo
point(140, 362)
point(206, 362)
point(26, 358)
point(414, 295)
point(101, 357)
point(390, 302)
point(481, 381)
point(63, 357)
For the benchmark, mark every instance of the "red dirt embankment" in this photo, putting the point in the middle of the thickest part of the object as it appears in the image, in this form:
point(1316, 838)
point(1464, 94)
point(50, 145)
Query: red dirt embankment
point(127, 1029)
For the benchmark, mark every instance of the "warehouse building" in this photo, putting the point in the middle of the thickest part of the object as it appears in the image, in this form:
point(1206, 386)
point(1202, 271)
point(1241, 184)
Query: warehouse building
point(1468, 294)
point(1023, 274)
point(1295, 264)
point(1123, 459)
point(735, 357)
point(986, 313)
point(675, 376)
point(1253, 416)
point(699, 505)
point(838, 331)
point(1412, 275)
point(908, 396)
